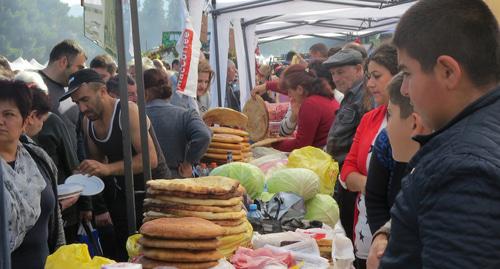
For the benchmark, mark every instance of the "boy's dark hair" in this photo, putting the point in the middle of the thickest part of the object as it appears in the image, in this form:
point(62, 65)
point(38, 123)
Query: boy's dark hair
point(463, 29)
point(67, 48)
point(395, 96)
point(174, 62)
point(19, 93)
point(104, 61)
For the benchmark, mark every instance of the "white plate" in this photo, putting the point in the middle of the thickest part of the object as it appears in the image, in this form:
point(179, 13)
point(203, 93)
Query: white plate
point(91, 185)
point(68, 196)
point(68, 188)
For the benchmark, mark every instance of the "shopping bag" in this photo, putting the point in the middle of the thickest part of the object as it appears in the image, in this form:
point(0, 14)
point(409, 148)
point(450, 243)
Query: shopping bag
point(320, 162)
point(75, 256)
point(89, 236)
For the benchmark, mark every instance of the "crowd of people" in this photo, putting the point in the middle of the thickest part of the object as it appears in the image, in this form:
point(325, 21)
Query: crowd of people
point(413, 125)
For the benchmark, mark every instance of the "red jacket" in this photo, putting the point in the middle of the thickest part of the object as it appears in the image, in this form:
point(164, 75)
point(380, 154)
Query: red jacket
point(316, 116)
point(365, 135)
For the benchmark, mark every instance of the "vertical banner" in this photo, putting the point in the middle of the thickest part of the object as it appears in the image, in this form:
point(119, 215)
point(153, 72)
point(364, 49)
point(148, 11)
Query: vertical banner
point(99, 23)
point(189, 46)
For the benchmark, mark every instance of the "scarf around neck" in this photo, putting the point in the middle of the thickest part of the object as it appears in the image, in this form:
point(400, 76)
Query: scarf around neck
point(23, 187)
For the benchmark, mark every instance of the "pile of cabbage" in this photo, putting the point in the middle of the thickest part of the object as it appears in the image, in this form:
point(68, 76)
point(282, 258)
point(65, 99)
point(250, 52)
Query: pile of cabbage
point(301, 181)
point(306, 183)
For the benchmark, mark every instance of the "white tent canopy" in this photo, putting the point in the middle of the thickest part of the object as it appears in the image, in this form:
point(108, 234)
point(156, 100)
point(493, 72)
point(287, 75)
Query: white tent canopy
point(274, 19)
point(21, 64)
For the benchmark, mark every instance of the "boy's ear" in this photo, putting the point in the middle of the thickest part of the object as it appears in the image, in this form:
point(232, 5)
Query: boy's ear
point(418, 126)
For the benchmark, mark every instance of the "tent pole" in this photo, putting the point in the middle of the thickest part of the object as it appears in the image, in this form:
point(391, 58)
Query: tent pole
point(4, 237)
point(217, 63)
point(141, 102)
point(247, 60)
point(124, 119)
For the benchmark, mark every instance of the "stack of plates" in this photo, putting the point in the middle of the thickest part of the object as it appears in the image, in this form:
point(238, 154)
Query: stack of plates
point(68, 190)
point(79, 184)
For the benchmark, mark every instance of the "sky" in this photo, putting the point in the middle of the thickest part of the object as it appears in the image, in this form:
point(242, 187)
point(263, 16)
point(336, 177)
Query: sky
point(71, 2)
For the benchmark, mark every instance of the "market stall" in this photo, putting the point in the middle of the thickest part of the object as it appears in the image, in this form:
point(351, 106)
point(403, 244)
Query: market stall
point(252, 20)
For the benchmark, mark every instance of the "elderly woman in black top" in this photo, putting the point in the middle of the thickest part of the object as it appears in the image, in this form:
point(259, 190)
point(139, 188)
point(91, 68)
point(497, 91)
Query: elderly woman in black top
point(34, 226)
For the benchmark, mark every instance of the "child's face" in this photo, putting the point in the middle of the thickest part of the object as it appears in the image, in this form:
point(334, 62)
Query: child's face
point(400, 132)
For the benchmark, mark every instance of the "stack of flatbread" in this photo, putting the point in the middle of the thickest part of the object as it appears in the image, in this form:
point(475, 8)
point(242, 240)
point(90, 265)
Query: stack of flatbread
point(225, 140)
point(180, 242)
point(214, 198)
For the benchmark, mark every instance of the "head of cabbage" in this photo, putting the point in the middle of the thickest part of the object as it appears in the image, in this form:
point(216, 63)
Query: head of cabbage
point(250, 176)
point(323, 208)
point(301, 181)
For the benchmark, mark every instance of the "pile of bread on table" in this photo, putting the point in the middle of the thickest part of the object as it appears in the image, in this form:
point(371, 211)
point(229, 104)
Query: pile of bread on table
point(229, 136)
point(192, 223)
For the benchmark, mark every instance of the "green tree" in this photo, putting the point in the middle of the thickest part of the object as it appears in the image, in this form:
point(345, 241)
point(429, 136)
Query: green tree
point(30, 28)
point(152, 22)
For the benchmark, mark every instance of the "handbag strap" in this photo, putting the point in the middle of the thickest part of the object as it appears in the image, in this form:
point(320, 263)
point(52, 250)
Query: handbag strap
point(94, 241)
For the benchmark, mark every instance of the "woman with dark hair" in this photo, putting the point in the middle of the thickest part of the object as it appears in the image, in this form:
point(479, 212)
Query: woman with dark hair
point(50, 133)
point(382, 66)
point(30, 183)
point(182, 135)
point(316, 107)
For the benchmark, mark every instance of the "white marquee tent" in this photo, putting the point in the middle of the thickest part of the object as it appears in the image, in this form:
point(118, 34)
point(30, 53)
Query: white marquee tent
point(22, 64)
point(254, 20)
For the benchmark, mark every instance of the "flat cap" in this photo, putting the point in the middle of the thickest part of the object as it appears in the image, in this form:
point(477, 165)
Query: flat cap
point(344, 57)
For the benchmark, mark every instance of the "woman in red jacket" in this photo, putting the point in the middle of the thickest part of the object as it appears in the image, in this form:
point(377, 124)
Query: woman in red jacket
point(317, 107)
point(382, 66)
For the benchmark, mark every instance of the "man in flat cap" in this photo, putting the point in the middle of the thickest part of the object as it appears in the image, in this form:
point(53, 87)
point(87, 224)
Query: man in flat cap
point(346, 67)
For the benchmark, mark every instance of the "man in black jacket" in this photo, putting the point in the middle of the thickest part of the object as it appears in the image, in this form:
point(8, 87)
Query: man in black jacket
point(446, 215)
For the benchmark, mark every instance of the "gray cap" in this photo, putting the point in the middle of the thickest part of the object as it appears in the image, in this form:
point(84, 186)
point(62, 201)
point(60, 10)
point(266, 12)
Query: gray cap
point(344, 57)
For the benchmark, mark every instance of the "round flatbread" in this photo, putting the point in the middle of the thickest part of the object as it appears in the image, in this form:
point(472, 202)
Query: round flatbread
point(229, 223)
point(152, 204)
point(224, 151)
point(217, 156)
point(219, 145)
point(181, 228)
point(180, 255)
point(201, 185)
point(226, 130)
point(209, 244)
point(227, 138)
point(193, 201)
point(225, 116)
point(269, 141)
point(258, 118)
point(153, 193)
point(206, 215)
point(152, 264)
point(235, 229)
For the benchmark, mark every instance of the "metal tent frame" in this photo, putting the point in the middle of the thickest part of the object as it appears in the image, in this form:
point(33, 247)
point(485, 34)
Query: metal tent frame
point(358, 24)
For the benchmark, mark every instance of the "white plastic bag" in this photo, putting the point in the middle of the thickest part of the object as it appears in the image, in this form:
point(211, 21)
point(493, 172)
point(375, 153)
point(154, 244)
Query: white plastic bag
point(310, 261)
point(275, 239)
point(342, 252)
